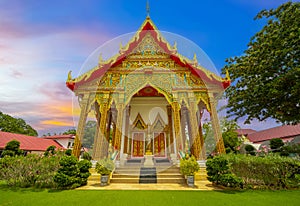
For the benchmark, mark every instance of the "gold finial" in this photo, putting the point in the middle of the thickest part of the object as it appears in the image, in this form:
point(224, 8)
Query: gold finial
point(148, 8)
point(175, 45)
point(195, 58)
point(100, 59)
point(121, 47)
point(69, 76)
point(227, 77)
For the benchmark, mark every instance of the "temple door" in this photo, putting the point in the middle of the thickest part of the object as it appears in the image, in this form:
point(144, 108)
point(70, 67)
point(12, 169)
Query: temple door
point(159, 144)
point(138, 144)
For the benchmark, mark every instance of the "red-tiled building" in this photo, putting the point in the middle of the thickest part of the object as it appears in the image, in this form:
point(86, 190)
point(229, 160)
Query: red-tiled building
point(28, 143)
point(286, 132)
point(65, 140)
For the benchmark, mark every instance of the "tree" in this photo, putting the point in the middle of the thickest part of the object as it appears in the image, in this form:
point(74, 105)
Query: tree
point(89, 134)
point(276, 144)
point(266, 77)
point(70, 131)
point(15, 125)
point(12, 148)
point(229, 135)
point(249, 149)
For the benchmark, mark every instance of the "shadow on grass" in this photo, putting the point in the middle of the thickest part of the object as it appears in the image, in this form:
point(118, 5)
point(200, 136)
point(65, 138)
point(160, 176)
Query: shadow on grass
point(6, 187)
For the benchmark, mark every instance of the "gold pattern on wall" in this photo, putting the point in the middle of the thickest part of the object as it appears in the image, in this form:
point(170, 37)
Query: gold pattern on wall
point(139, 123)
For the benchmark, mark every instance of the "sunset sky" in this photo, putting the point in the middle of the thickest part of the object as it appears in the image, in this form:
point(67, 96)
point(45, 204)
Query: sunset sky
point(40, 41)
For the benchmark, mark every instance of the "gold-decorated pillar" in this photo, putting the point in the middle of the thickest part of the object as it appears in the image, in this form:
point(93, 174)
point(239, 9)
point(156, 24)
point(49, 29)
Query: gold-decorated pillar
point(216, 124)
point(84, 106)
point(102, 145)
point(117, 143)
point(196, 146)
point(96, 148)
point(170, 123)
point(177, 126)
point(200, 112)
point(126, 140)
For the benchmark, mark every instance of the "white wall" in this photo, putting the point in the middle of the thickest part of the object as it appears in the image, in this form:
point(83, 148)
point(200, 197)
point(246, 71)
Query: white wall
point(149, 107)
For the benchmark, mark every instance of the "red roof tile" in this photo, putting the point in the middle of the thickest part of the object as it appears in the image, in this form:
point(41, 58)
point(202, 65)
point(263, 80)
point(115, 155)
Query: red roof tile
point(245, 131)
point(63, 136)
point(27, 143)
point(284, 131)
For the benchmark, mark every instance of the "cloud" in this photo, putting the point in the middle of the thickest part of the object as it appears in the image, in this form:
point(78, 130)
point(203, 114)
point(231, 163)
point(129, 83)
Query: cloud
point(16, 74)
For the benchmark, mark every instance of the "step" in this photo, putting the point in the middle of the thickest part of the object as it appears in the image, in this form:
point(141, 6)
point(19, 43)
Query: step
point(180, 180)
point(164, 175)
point(125, 180)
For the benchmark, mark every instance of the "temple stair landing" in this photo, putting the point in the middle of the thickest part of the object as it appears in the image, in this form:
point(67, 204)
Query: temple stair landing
point(156, 174)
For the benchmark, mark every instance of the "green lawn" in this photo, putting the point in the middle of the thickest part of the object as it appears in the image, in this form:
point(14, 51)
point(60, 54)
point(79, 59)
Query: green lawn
point(33, 197)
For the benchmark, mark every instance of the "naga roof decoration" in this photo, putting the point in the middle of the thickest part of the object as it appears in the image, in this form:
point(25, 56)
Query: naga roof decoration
point(148, 27)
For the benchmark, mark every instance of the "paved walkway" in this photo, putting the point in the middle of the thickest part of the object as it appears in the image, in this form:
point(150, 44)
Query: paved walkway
point(199, 185)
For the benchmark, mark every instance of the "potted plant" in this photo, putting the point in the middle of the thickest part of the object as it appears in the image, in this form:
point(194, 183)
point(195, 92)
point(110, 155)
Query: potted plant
point(188, 167)
point(105, 167)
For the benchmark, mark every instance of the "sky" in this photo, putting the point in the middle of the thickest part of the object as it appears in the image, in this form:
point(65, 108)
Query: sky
point(40, 41)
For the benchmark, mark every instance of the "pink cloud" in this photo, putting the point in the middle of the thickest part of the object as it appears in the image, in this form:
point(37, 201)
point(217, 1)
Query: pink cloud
point(16, 74)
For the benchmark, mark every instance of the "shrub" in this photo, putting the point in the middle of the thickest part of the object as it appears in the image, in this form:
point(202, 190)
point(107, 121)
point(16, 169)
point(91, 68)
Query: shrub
point(86, 156)
point(216, 167)
point(188, 166)
point(12, 148)
point(105, 166)
point(72, 173)
point(249, 149)
point(84, 166)
point(271, 171)
point(50, 150)
point(276, 144)
point(68, 152)
point(231, 180)
point(30, 171)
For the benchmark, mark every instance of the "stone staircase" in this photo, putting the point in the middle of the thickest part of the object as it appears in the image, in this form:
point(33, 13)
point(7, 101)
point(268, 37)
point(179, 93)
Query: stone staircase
point(130, 174)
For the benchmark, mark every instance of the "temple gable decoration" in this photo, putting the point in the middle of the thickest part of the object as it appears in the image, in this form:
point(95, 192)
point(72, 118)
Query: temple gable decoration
point(148, 72)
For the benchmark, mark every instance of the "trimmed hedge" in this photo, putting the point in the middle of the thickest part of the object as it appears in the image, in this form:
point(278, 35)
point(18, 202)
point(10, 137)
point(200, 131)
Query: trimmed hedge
point(271, 171)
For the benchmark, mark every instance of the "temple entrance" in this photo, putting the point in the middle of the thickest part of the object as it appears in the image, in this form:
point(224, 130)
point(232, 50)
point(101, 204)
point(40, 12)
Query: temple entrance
point(159, 144)
point(138, 144)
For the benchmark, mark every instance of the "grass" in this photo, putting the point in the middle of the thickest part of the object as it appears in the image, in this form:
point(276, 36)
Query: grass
point(31, 197)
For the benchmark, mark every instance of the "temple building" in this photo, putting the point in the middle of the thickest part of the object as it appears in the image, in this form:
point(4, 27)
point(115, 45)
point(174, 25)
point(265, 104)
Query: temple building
point(148, 100)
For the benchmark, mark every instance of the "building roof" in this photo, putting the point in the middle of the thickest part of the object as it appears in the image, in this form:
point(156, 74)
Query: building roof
point(245, 132)
point(147, 27)
point(63, 136)
point(285, 131)
point(27, 143)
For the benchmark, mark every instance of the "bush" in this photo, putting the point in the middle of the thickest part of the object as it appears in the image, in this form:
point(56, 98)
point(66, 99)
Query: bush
point(216, 167)
point(72, 173)
point(105, 166)
point(30, 171)
point(276, 144)
point(188, 166)
point(86, 156)
point(84, 166)
point(271, 171)
point(249, 149)
point(68, 152)
point(50, 150)
point(12, 148)
point(231, 180)
point(290, 149)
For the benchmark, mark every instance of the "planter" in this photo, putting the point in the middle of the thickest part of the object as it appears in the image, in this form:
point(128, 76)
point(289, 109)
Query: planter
point(190, 180)
point(104, 180)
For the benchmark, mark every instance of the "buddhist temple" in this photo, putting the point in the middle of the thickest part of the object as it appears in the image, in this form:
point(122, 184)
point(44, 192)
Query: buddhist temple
point(148, 101)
